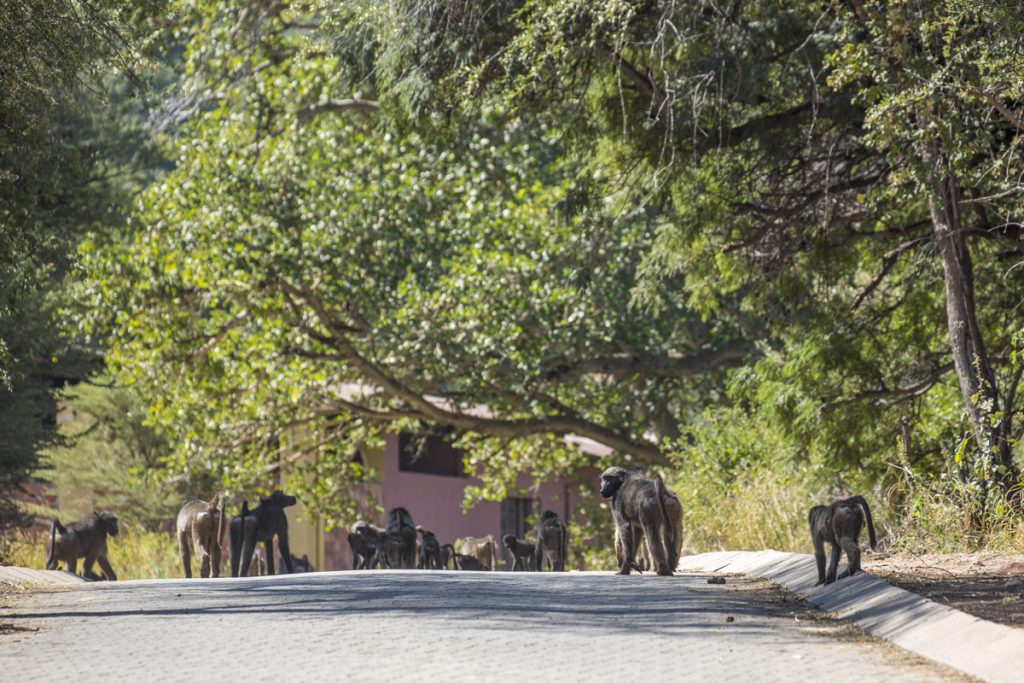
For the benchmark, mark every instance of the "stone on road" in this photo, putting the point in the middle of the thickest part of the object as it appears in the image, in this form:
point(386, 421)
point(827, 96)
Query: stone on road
point(452, 626)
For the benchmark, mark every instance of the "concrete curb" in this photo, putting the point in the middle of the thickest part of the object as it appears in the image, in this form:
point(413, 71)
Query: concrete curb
point(991, 652)
point(22, 576)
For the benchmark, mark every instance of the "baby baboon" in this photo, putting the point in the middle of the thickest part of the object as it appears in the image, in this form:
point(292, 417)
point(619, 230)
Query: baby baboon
point(260, 525)
point(638, 509)
point(201, 525)
point(482, 548)
point(301, 565)
point(839, 524)
point(401, 526)
point(551, 543)
point(448, 555)
point(430, 551)
point(468, 563)
point(87, 539)
point(522, 553)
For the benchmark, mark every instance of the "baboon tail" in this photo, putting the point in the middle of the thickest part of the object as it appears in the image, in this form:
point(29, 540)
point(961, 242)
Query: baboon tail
point(220, 519)
point(659, 487)
point(241, 530)
point(867, 515)
point(51, 554)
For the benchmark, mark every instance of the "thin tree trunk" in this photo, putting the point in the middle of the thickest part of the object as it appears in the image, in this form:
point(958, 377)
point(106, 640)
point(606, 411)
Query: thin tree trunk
point(973, 369)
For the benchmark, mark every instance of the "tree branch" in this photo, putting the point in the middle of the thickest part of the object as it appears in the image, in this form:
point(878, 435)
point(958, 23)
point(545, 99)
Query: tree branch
point(334, 106)
point(623, 365)
point(889, 397)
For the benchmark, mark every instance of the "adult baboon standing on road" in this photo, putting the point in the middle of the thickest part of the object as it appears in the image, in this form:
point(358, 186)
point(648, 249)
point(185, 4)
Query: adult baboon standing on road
point(87, 539)
point(673, 532)
point(201, 526)
point(401, 526)
point(552, 543)
point(430, 551)
point(839, 524)
point(638, 509)
point(260, 525)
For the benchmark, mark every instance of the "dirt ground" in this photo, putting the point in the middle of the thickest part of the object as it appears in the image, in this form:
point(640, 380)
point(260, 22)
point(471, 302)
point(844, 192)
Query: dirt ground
point(987, 585)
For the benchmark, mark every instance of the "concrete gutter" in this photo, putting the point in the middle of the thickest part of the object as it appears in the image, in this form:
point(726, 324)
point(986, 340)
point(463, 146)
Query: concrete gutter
point(989, 651)
point(21, 576)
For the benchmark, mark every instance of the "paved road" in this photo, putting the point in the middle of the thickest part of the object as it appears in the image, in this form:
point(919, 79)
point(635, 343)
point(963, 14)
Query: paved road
point(431, 626)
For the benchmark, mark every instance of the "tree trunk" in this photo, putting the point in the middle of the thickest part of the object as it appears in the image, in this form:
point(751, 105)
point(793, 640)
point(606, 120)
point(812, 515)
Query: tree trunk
point(973, 369)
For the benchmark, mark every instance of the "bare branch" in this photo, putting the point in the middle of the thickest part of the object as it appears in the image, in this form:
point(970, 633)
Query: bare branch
point(335, 106)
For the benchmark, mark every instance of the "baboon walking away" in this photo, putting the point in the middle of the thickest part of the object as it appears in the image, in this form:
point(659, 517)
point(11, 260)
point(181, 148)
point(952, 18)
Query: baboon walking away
point(839, 524)
point(400, 526)
point(88, 539)
point(201, 527)
point(552, 543)
point(260, 525)
point(638, 510)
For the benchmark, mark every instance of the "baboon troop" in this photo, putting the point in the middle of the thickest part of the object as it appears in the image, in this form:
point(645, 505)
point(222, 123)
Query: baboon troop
point(200, 527)
point(551, 544)
point(260, 525)
point(522, 553)
point(839, 524)
point(640, 516)
point(88, 539)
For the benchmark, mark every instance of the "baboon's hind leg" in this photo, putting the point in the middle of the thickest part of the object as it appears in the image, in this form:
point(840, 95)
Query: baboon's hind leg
point(186, 553)
point(852, 557)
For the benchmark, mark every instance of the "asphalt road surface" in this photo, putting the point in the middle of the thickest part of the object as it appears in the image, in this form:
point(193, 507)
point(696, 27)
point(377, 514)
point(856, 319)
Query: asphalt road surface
point(434, 626)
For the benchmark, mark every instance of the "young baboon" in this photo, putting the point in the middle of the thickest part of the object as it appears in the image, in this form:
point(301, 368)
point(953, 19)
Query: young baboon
point(301, 565)
point(88, 539)
point(260, 525)
point(201, 526)
point(448, 555)
point(468, 563)
point(522, 553)
point(482, 548)
point(430, 550)
point(401, 526)
point(839, 524)
point(638, 508)
point(551, 543)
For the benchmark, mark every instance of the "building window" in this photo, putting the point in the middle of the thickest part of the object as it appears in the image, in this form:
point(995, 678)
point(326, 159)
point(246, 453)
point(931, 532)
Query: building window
point(514, 515)
point(429, 455)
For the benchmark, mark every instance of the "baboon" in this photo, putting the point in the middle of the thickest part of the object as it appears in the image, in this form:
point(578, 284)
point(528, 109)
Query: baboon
point(88, 539)
point(401, 526)
point(260, 525)
point(551, 543)
point(522, 553)
point(391, 552)
point(201, 526)
point(638, 507)
point(482, 548)
point(673, 536)
point(468, 563)
point(430, 550)
point(448, 555)
point(302, 565)
point(839, 524)
point(364, 542)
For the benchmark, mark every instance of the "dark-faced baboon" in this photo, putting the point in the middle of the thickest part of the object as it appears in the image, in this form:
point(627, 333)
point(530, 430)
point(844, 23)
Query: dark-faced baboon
point(200, 527)
point(260, 525)
point(552, 543)
point(88, 539)
point(482, 548)
point(468, 563)
point(364, 542)
point(300, 565)
point(673, 532)
point(448, 555)
point(522, 553)
point(430, 551)
point(638, 510)
point(839, 524)
point(401, 526)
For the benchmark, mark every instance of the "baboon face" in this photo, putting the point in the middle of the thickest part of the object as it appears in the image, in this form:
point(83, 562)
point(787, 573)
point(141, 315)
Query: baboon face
point(280, 498)
point(611, 479)
point(509, 541)
point(108, 522)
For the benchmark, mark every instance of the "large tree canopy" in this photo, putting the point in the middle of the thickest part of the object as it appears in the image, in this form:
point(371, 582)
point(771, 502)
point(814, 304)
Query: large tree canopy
point(529, 219)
